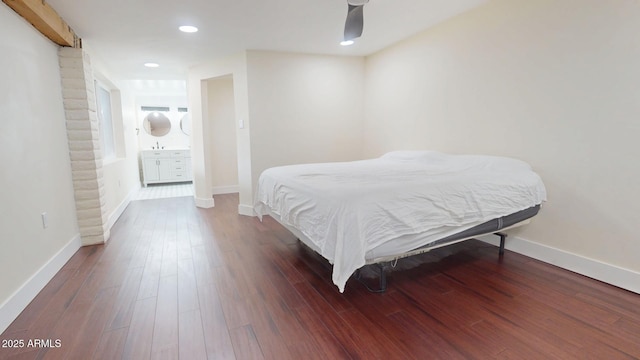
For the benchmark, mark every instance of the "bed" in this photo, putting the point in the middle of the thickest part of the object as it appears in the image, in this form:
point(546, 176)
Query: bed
point(400, 204)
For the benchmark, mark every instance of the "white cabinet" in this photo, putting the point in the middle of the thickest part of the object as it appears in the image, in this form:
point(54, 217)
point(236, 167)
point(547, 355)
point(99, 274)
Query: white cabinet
point(165, 166)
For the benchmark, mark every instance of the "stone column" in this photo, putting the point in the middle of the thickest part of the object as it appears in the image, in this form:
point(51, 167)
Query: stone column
point(78, 92)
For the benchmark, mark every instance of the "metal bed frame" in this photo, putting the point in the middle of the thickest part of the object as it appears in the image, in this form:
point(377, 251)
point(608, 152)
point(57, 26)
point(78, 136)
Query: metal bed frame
point(385, 264)
point(495, 227)
point(491, 227)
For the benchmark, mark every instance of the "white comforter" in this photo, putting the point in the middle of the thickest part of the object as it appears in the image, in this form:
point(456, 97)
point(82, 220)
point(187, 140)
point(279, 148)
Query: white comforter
point(348, 208)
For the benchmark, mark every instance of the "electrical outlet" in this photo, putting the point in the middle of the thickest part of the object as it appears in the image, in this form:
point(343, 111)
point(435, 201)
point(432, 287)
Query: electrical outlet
point(45, 220)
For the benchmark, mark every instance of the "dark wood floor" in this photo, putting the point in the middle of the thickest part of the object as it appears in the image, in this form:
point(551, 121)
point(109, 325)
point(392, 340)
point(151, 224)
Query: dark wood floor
point(175, 282)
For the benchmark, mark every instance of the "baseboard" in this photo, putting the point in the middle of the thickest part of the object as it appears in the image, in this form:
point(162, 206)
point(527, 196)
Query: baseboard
point(246, 210)
point(611, 274)
point(219, 190)
point(204, 203)
point(19, 300)
point(115, 215)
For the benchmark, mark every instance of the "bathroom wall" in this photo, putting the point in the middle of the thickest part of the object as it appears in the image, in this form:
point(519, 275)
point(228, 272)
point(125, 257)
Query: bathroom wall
point(162, 93)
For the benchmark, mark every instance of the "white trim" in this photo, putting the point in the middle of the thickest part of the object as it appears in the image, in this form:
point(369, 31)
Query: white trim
point(19, 300)
point(115, 215)
point(204, 203)
point(611, 274)
point(229, 189)
point(246, 210)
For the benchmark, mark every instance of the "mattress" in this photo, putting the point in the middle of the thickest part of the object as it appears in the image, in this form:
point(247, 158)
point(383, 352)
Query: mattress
point(351, 211)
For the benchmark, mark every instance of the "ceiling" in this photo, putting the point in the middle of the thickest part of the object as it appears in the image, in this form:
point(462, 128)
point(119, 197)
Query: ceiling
point(124, 34)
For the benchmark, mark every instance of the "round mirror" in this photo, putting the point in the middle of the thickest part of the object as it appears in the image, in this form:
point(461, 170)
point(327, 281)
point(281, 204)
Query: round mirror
point(157, 124)
point(185, 124)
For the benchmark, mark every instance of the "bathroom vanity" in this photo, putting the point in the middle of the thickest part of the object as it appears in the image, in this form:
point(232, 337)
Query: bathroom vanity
point(166, 166)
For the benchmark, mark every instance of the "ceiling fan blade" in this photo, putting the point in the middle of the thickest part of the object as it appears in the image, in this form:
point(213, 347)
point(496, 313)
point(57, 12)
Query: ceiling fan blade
point(355, 22)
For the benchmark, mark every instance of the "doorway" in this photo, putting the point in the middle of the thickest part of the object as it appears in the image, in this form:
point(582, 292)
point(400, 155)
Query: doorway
point(219, 127)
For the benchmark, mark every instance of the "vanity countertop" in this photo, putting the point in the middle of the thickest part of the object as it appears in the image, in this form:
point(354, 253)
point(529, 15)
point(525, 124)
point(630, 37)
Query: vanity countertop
point(167, 149)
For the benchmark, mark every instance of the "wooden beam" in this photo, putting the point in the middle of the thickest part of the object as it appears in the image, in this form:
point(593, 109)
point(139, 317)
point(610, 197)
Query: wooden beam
point(44, 18)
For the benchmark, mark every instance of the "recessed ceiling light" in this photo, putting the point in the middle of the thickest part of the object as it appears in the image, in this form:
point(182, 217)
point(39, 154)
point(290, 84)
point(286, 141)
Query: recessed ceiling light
point(151, 65)
point(188, 28)
point(346, 42)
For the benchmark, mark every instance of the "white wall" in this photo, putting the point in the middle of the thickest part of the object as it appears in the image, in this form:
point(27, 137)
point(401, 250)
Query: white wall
point(304, 108)
point(295, 108)
point(553, 82)
point(234, 66)
point(222, 143)
point(120, 174)
point(34, 153)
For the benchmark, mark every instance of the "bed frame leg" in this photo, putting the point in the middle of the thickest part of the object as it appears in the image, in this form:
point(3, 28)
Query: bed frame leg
point(503, 236)
point(383, 279)
point(382, 285)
